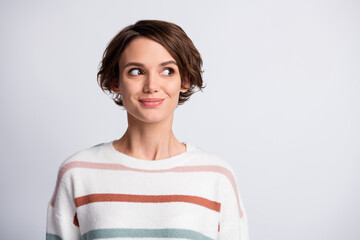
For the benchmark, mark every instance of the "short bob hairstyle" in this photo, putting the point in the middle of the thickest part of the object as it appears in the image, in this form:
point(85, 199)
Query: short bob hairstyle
point(171, 37)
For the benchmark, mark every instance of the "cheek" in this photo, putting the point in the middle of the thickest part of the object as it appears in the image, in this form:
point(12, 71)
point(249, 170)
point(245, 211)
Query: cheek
point(128, 89)
point(175, 87)
point(174, 93)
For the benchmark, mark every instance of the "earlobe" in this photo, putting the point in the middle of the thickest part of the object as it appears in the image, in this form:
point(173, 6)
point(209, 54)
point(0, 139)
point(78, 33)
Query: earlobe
point(186, 85)
point(115, 86)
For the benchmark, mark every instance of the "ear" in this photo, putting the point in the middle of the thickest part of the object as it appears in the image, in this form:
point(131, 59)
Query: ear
point(115, 85)
point(186, 84)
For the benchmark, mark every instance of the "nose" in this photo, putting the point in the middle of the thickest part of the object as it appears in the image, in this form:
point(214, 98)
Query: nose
point(151, 83)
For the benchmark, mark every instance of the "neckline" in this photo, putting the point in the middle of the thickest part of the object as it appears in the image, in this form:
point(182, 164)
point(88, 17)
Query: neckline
point(149, 164)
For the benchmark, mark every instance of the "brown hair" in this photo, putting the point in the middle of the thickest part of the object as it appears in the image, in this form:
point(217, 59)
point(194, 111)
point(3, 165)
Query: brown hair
point(171, 37)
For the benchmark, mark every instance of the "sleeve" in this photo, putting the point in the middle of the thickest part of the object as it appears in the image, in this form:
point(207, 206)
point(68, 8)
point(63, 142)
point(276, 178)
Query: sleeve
point(233, 218)
point(61, 222)
point(59, 227)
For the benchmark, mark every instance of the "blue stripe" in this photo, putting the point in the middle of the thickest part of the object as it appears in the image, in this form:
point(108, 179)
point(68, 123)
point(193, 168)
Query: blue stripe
point(50, 236)
point(144, 233)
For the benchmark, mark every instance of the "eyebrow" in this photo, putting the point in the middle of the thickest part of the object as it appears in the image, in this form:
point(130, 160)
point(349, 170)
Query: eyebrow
point(142, 65)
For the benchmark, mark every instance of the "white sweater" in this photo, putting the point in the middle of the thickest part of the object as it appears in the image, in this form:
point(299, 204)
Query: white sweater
point(102, 193)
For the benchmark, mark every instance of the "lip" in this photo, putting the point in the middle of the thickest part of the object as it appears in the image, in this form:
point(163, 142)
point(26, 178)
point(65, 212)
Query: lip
point(151, 99)
point(151, 102)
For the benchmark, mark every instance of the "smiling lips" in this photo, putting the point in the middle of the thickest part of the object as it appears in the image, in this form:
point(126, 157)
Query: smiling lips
point(151, 102)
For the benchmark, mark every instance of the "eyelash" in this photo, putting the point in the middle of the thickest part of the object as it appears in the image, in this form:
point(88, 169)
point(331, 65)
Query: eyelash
point(133, 70)
point(172, 71)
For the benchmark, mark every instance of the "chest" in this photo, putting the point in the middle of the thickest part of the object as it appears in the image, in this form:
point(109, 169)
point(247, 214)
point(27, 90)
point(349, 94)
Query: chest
point(164, 204)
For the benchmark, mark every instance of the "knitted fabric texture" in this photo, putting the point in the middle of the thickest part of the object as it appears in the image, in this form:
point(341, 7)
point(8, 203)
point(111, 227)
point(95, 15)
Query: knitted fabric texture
point(102, 193)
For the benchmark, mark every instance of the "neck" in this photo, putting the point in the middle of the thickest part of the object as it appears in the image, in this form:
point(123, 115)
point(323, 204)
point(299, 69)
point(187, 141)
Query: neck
point(152, 141)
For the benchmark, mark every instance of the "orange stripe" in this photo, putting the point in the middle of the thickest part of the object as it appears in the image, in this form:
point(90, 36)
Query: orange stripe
point(76, 220)
point(109, 197)
point(114, 166)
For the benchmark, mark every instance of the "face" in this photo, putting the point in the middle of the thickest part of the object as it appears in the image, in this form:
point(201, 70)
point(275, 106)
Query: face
point(148, 72)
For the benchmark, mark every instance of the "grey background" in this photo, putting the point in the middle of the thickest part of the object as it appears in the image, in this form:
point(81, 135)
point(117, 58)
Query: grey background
point(281, 104)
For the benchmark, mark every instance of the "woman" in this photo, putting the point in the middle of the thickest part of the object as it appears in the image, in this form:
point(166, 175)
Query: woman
point(147, 184)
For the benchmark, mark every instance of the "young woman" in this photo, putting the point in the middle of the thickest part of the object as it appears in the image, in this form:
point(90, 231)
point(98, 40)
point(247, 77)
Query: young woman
point(147, 184)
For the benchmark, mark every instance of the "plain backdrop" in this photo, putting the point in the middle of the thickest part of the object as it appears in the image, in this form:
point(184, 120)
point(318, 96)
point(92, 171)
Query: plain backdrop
point(282, 104)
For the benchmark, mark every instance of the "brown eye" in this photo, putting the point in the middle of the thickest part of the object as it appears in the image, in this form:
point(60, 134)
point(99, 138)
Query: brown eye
point(135, 72)
point(168, 71)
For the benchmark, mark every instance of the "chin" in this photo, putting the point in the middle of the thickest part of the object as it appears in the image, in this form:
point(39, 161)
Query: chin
point(152, 119)
point(147, 117)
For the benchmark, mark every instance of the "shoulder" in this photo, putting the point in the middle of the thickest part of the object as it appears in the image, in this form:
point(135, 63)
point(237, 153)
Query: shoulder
point(217, 163)
point(65, 176)
point(202, 157)
point(89, 154)
point(81, 158)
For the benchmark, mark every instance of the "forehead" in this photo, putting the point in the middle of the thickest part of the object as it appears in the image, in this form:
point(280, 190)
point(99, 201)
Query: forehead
point(144, 50)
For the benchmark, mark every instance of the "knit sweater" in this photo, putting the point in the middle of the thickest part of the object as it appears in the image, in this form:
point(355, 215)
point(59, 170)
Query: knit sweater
point(102, 193)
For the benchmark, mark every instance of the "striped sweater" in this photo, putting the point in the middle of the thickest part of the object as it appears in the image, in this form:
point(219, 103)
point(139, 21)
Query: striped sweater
point(102, 193)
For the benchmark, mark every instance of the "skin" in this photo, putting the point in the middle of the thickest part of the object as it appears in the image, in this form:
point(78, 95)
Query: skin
point(149, 135)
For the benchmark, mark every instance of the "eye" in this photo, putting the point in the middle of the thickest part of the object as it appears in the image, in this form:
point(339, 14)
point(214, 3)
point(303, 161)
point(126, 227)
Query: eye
point(168, 71)
point(135, 72)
